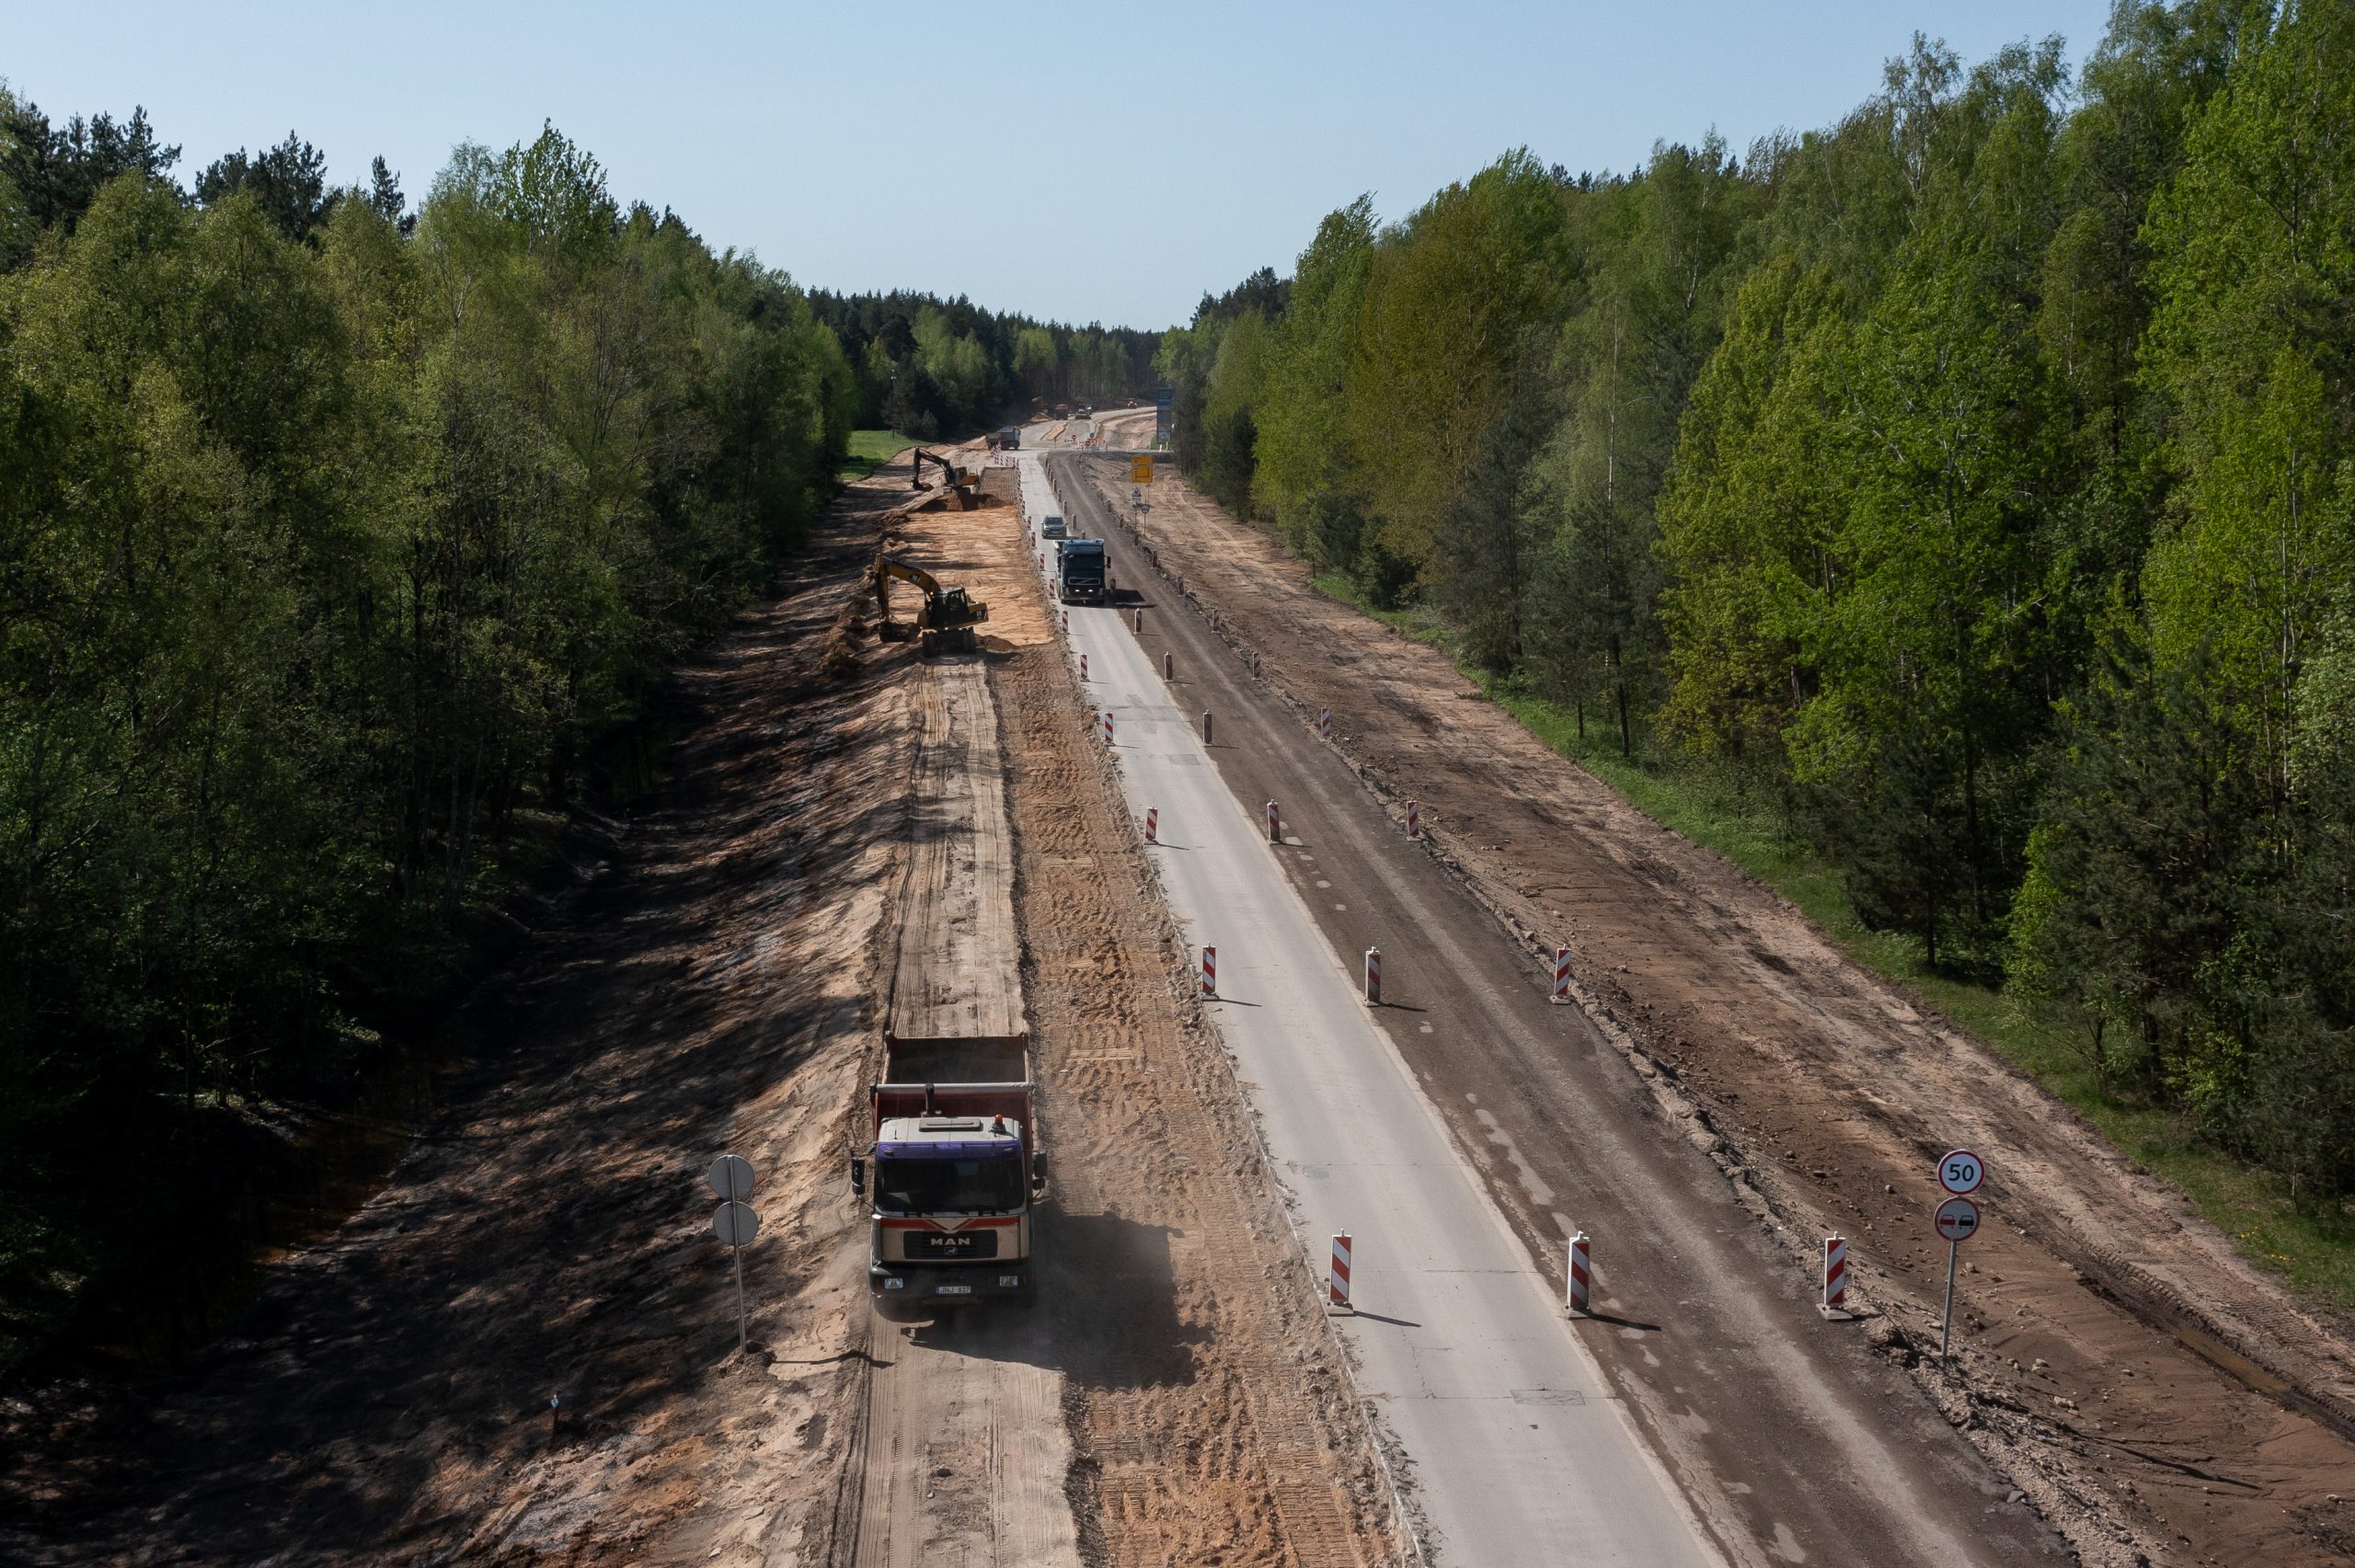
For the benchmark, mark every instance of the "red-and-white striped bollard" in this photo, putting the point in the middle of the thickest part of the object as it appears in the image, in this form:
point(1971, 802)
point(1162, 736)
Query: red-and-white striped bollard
point(1561, 975)
point(1414, 821)
point(1581, 1275)
point(1275, 825)
point(1210, 971)
point(1151, 825)
point(1835, 1279)
point(1255, 664)
point(1374, 976)
point(1338, 1293)
point(1108, 729)
point(1323, 724)
point(1083, 666)
point(1066, 615)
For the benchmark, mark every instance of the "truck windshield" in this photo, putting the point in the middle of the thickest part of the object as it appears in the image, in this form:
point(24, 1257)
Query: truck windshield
point(904, 1185)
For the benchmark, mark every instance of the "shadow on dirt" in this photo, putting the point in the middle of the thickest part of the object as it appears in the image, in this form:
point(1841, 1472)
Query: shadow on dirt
point(1106, 1314)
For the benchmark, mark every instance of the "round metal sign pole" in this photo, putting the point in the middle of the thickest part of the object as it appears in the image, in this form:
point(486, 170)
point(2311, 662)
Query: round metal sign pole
point(1956, 1218)
point(735, 1223)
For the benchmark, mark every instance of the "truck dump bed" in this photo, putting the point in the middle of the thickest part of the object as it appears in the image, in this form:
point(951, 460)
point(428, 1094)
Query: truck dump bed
point(954, 1078)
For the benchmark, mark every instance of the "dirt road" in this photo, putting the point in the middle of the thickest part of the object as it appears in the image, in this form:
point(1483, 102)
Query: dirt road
point(1822, 1098)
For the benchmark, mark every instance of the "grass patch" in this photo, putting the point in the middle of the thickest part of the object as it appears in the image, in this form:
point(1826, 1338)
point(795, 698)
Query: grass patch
point(2311, 1246)
point(871, 449)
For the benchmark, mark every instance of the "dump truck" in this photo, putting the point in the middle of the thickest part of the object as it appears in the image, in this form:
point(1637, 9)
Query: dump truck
point(1008, 440)
point(1083, 571)
point(956, 1172)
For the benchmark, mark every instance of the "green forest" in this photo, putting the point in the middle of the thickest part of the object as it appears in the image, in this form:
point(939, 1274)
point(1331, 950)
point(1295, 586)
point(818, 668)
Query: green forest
point(343, 542)
point(1971, 482)
point(928, 367)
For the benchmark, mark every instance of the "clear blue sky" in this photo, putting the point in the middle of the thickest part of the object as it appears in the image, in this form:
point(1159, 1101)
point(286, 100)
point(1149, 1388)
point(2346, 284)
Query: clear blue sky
point(1109, 160)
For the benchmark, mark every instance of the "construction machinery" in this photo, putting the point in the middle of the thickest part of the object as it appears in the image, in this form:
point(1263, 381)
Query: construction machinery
point(945, 623)
point(965, 484)
point(958, 1175)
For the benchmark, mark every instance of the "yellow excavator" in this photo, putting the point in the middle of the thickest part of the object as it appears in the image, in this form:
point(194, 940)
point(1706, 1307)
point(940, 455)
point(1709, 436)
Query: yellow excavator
point(965, 484)
point(946, 622)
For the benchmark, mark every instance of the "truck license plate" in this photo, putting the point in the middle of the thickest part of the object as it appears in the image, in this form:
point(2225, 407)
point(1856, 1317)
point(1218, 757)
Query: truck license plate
point(956, 1290)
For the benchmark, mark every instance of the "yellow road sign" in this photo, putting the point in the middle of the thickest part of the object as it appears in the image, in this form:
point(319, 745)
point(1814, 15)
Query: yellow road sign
point(1141, 470)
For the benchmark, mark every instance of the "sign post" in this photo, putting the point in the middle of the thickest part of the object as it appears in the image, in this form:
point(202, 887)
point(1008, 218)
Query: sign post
point(1959, 1172)
point(733, 1221)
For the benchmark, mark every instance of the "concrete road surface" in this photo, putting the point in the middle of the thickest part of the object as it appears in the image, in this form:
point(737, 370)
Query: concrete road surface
point(1518, 1452)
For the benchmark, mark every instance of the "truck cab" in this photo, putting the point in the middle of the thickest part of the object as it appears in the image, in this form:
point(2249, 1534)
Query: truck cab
point(1083, 571)
point(952, 1209)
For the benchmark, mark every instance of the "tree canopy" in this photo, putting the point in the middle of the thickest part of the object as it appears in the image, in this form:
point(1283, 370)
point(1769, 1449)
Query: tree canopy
point(1976, 476)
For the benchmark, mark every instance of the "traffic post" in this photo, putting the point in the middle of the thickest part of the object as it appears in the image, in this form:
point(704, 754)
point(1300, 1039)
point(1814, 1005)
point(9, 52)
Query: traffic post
point(1581, 1287)
point(1323, 724)
point(1338, 1293)
point(1561, 975)
point(1206, 726)
point(1373, 977)
point(1151, 825)
point(1083, 666)
point(1836, 1280)
point(1107, 726)
point(1168, 667)
point(1414, 821)
point(1140, 622)
point(1275, 825)
point(1209, 970)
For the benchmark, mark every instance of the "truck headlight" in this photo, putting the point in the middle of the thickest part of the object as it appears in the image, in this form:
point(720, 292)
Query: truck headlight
point(893, 1284)
point(1009, 1281)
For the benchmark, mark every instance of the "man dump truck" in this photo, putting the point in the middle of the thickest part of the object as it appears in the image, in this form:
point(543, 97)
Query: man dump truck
point(1082, 571)
point(956, 1172)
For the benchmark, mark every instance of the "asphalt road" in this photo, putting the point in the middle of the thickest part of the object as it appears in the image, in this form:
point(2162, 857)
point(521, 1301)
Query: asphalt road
point(1519, 1450)
point(1785, 1436)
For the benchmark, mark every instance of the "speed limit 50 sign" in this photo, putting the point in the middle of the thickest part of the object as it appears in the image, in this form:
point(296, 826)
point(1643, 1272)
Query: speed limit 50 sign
point(1961, 1172)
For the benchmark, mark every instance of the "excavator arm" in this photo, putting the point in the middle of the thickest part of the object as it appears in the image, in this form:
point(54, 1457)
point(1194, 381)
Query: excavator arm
point(964, 483)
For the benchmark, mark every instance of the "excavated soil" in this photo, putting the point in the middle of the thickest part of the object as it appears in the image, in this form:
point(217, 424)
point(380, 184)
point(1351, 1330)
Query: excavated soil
point(2153, 1394)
